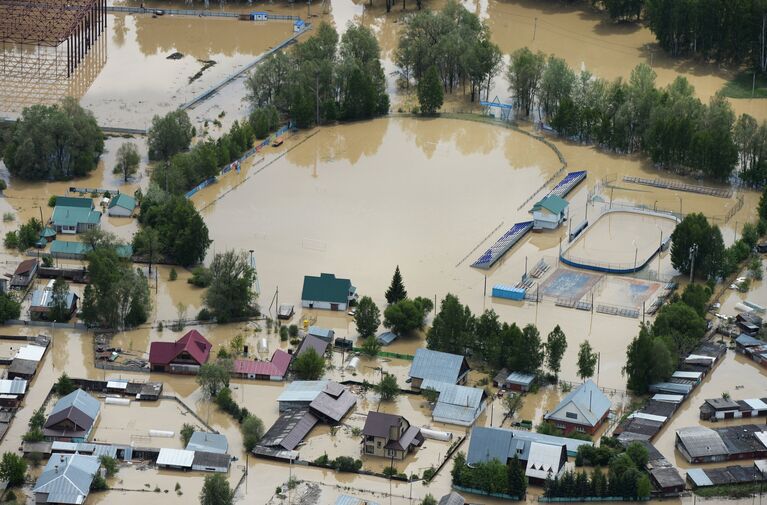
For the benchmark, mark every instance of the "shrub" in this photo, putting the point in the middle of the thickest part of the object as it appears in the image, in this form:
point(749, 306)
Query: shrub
point(204, 315)
point(293, 331)
point(52, 201)
point(8, 216)
point(347, 464)
point(390, 471)
point(173, 274)
point(99, 483)
point(201, 277)
point(323, 460)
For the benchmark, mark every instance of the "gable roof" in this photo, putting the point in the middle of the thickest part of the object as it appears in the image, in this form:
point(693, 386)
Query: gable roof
point(42, 300)
point(326, 288)
point(552, 203)
point(439, 366)
point(78, 406)
point(377, 424)
point(208, 442)
point(277, 367)
point(66, 215)
point(456, 404)
point(544, 460)
point(302, 391)
point(198, 347)
point(124, 201)
point(25, 267)
point(587, 401)
point(67, 478)
point(312, 342)
point(452, 498)
point(333, 402)
point(486, 444)
point(748, 341)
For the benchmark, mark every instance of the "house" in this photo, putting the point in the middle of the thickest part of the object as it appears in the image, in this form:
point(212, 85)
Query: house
point(326, 400)
point(452, 498)
point(327, 292)
point(282, 438)
point(73, 250)
point(273, 370)
point(312, 342)
point(175, 459)
point(725, 408)
point(744, 342)
point(386, 337)
point(299, 394)
point(66, 479)
point(699, 444)
point(121, 205)
point(42, 303)
point(459, 405)
point(542, 456)
point(437, 366)
point(584, 409)
point(549, 212)
point(185, 355)
point(211, 462)
point(514, 381)
point(345, 499)
point(72, 418)
point(735, 474)
point(389, 436)
point(325, 334)
point(24, 274)
point(208, 442)
point(74, 215)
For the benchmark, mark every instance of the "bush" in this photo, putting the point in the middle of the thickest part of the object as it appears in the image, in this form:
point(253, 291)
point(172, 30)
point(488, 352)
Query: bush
point(323, 461)
point(390, 471)
point(173, 274)
point(284, 333)
point(201, 277)
point(64, 385)
point(52, 201)
point(293, 331)
point(8, 216)
point(109, 464)
point(3, 185)
point(429, 473)
point(204, 315)
point(47, 260)
point(347, 464)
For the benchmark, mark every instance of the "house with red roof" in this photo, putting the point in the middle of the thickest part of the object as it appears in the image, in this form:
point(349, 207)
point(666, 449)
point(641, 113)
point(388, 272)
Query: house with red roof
point(273, 370)
point(185, 355)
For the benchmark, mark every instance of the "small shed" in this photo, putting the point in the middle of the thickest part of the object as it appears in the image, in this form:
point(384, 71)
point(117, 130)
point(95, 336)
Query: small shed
point(386, 337)
point(549, 212)
point(122, 205)
point(508, 292)
point(208, 442)
point(211, 462)
point(519, 381)
point(179, 459)
point(325, 334)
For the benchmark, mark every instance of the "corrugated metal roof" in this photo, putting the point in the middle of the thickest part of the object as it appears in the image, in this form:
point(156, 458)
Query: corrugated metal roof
point(668, 398)
point(699, 477)
point(699, 441)
point(670, 387)
point(31, 352)
point(13, 387)
point(524, 379)
point(456, 404)
point(649, 417)
point(588, 399)
point(386, 337)
point(756, 403)
point(323, 333)
point(681, 374)
point(80, 400)
point(175, 457)
point(302, 391)
point(487, 444)
point(335, 406)
point(67, 478)
point(452, 498)
point(124, 201)
point(208, 442)
point(117, 384)
point(543, 460)
point(345, 499)
point(748, 341)
point(436, 365)
point(326, 288)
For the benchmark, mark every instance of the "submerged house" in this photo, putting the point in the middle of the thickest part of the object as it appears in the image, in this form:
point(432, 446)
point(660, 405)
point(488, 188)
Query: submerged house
point(725, 408)
point(456, 404)
point(185, 355)
point(327, 292)
point(437, 366)
point(699, 444)
point(121, 205)
point(74, 215)
point(549, 212)
point(514, 381)
point(66, 479)
point(72, 418)
point(273, 370)
point(389, 436)
point(24, 273)
point(584, 409)
point(42, 304)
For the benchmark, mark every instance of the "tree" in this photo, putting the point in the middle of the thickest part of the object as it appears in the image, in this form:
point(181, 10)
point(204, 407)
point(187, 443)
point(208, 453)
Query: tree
point(64, 385)
point(146, 243)
point(556, 344)
point(396, 291)
point(169, 134)
point(430, 93)
point(696, 296)
point(201, 277)
point(230, 294)
point(512, 403)
point(371, 346)
point(524, 76)
point(453, 327)
point(557, 83)
point(695, 232)
point(212, 377)
point(109, 464)
point(648, 360)
point(517, 482)
point(638, 454)
point(59, 306)
point(128, 160)
point(186, 432)
point(367, 317)
point(587, 360)
point(623, 9)
point(53, 142)
point(680, 325)
point(309, 365)
point(252, 429)
point(528, 351)
point(407, 315)
point(428, 500)
point(9, 307)
point(13, 469)
point(388, 387)
point(216, 491)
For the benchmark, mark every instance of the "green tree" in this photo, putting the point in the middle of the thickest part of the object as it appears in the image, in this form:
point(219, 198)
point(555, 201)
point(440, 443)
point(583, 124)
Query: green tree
point(528, 352)
point(638, 454)
point(169, 134)
point(201, 277)
point(648, 360)
point(396, 291)
point(430, 93)
point(9, 307)
point(371, 346)
point(59, 306)
point(517, 481)
point(367, 317)
point(109, 464)
point(587, 360)
point(557, 83)
point(230, 294)
point(147, 244)
point(38, 418)
point(53, 142)
point(407, 315)
point(695, 231)
point(216, 491)
point(309, 365)
point(13, 469)
point(623, 9)
point(252, 429)
point(524, 76)
point(428, 500)
point(696, 296)
point(388, 387)
point(556, 344)
point(512, 403)
point(453, 327)
point(186, 432)
point(680, 325)
point(212, 378)
point(128, 160)
point(64, 385)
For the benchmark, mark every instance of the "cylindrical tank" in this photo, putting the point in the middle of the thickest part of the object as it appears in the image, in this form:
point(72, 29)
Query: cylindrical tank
point(116, 401)
point(162, 433)
point(754, 306)
point(263, 345)
point(352, 365)
point(741, 307)
point(436, 435)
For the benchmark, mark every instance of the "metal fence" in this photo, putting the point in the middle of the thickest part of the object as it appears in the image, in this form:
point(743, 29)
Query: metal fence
point(563, 499)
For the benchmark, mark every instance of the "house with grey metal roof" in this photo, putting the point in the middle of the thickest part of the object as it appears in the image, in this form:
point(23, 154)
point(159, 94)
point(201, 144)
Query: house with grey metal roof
point(456, 404)
point(584, 409)
point(299, 394)
point(72, 418)
point(437, 366)
point(699, 444)
point(452, 498)
point(66, 479)
point(211, 462)
point(282, 438)
point(208, 442)
point(312, 342)
point(389, 436)
point(333, 403)
point(345, 499)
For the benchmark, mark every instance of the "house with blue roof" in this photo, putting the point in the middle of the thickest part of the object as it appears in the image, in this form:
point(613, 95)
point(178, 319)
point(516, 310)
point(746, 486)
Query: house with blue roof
point(66, 479)
point(584, 409)
point(327, 292)
point(74, 215)
point(72, 418)
point(456, 404)
point(43, 301)
point(437, 366)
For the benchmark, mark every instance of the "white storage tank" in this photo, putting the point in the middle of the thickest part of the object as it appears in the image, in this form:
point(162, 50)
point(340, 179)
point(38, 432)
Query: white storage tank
point(352, 365)
point(162, 433)
point(116, 401)
point(436, 434)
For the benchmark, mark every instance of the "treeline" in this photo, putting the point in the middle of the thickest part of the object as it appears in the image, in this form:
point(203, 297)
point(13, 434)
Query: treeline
point(625, 478)
point(456, 43)
point(669, 124)
point(53, 142)
point(320, 80)
point(491, 476)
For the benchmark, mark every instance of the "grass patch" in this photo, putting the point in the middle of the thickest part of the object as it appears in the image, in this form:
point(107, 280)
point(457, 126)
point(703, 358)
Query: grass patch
point(732, 491)
point(740, 87)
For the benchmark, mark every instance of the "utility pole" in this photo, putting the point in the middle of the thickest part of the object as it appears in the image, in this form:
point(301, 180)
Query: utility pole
point(693, 252)
point(535, 28)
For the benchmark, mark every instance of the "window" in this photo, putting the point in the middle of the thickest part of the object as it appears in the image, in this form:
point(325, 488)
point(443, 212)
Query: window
point(369, 449)
point(391, 452)
point(378, 444)
point(369, 438)
point(571, 415)
point(561, 426)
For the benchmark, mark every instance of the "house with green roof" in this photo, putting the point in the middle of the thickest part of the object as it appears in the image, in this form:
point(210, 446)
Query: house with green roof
point(121, 205)
point(327, 292)
point(549, 212)
point(74, 215)
point(73, 250)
